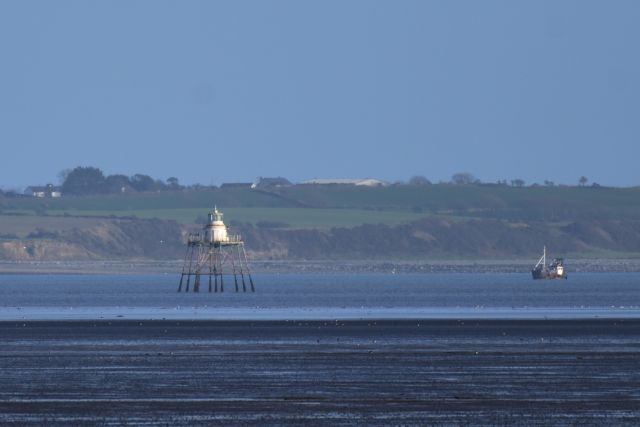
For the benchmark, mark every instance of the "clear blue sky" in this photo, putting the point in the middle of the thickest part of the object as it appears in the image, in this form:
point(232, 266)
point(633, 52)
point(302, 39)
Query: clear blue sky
point(213, 92)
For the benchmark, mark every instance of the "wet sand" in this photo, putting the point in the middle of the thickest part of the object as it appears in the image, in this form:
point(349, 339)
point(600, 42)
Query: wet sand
point(487, 372)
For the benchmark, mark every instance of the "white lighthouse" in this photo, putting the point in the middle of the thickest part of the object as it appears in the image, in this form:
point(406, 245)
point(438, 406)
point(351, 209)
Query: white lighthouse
point(215, 253)
point(215, 231)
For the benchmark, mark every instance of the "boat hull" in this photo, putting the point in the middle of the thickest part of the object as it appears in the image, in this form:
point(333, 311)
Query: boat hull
point(545, 274)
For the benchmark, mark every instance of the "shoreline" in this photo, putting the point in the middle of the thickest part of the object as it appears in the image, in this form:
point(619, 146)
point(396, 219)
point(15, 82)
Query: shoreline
point(106, 267)
point(591, 326)
point(213, 314)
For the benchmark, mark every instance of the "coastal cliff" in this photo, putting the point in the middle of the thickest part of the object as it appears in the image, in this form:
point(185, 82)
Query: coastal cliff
point(430, 237)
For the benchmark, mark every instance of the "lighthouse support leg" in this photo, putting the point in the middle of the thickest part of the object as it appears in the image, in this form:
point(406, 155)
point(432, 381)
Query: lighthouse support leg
point(244, 257)
point(217, 265)
point(198, 269)
point(233, 266)
point(184, 266)
point(237, 253)
point(191, 271)
point(210, 259)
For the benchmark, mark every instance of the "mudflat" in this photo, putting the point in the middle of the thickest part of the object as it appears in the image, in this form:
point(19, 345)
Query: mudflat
point(409, 372)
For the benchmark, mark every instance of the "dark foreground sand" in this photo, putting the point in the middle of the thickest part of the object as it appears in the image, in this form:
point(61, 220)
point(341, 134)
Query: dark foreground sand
point(570, 372)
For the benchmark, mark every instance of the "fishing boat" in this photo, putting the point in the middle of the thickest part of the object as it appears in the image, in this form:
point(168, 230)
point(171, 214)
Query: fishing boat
point(555, 269)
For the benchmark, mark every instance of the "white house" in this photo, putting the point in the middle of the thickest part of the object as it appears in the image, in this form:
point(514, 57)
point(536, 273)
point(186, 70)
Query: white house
point(368, 182)
point(48, 190)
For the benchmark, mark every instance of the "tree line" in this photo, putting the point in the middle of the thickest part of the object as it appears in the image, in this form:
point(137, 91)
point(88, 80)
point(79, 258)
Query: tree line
point(91, 180)
point(466, 178)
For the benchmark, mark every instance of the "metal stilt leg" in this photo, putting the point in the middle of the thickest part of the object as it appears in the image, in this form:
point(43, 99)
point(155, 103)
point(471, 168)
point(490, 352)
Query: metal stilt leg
point(244, 258)
point(196, 284)
point(210, 269)
point(184, 265)
point(244, 286)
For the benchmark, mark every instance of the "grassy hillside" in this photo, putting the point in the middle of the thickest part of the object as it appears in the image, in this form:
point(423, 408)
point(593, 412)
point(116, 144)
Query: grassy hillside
point(279, 217)
point(333, 222)
point(482, 201)
point(148, 201)
point(308, 206)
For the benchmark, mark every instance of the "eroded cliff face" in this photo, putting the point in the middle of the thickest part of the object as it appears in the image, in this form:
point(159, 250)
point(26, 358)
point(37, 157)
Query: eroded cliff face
point(108, 239)
point(43, 249)
point(432, 237)
point(444, 238)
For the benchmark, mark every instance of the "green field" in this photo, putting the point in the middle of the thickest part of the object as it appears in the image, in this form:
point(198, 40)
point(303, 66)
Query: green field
point(309, 206)
point(294, 217)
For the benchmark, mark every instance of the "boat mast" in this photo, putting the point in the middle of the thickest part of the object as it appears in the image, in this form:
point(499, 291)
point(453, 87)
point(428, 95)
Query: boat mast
point(543, 259)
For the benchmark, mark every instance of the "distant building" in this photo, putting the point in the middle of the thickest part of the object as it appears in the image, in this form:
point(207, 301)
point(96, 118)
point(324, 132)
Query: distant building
point(368, 182)
point(271, 182)
point(48, 190)
point(236, 185)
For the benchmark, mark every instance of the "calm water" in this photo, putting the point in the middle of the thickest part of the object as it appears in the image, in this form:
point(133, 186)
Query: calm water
point(323, 296)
